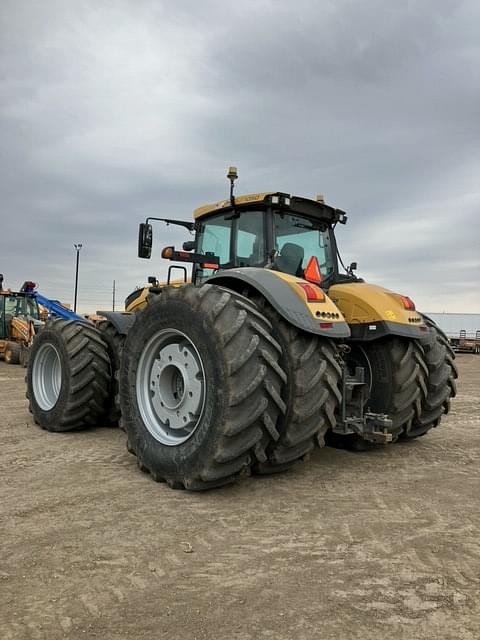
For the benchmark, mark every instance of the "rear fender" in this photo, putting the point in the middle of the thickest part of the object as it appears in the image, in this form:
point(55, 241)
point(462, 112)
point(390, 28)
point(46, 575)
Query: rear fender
point(285, 295)
point(374, 312)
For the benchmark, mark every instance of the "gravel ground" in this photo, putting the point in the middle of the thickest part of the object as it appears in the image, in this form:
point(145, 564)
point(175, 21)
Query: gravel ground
point(380, 544)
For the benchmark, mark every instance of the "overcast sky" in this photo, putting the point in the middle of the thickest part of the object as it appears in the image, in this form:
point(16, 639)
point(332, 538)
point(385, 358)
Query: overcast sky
point(112, 111)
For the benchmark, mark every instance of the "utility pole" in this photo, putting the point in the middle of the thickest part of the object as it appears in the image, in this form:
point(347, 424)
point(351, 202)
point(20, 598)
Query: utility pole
point(113, 296)
point(77, 249)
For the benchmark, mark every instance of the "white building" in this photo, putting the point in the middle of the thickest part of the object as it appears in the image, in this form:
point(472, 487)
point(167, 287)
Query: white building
point(453, 323)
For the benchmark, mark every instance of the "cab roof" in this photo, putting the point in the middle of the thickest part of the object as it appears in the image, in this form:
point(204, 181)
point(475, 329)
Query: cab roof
point(296, 204)
point(225, 204)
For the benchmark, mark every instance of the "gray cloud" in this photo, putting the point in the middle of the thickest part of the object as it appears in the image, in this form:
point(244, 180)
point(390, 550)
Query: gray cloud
point(113, 111)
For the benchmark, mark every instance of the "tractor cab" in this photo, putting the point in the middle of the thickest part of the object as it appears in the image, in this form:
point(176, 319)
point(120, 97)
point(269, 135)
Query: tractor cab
point(270, 230)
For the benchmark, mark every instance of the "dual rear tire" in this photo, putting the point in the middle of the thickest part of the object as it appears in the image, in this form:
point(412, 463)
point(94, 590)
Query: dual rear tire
point(200, 387)
point(68, 376)
point(412, 381)
point(311, 393)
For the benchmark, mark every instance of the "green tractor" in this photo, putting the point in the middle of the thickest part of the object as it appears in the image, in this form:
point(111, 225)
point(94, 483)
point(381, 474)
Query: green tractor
point(258, 353)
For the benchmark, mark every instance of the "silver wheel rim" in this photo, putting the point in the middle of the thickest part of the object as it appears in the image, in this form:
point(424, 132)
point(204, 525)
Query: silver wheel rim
point(170, 387)
point(47, 377)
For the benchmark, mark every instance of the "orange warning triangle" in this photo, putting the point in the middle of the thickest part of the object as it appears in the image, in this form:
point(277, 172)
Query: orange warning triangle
point(312, 272)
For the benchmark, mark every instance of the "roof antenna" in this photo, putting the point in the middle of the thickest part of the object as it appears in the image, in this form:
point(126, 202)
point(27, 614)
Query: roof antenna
point(232, 175)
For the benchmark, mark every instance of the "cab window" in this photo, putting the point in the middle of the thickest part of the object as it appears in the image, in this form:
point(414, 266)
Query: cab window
point(297, 239)
point(238, 242)
point(250, 244)
point(214, 238)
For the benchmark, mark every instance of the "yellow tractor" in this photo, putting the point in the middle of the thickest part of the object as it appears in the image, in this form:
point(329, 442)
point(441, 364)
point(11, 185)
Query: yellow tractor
point(262, 352)
point(19, 322)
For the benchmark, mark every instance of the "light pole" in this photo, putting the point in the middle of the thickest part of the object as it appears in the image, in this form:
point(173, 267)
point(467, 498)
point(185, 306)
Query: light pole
point(77, 248)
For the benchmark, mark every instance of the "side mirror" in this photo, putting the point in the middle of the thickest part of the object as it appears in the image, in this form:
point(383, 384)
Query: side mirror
point(351, 268)
point(145, 240)
point(189, 245)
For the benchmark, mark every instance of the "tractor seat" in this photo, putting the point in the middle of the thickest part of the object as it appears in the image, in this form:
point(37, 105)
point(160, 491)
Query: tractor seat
point(290, 259)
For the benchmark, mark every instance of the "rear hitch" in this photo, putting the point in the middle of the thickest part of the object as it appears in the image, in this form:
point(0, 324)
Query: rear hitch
point(373, 427)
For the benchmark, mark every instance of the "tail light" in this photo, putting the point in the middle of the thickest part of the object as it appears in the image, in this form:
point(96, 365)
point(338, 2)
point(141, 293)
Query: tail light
point(313, 293)
point(407, 303)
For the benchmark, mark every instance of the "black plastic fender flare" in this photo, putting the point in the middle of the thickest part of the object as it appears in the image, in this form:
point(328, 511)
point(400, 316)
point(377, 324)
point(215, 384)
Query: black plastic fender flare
point(280, 295)
point(122, 321)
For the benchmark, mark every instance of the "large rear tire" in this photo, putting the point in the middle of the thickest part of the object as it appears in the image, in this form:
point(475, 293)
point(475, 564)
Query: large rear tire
point(440, 381)
point(200, 387)
point(397, 371)
point(68, 376)
point(311, 393)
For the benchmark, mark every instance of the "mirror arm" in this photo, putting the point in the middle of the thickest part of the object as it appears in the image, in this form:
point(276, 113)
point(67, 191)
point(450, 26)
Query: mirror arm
point(181, 223)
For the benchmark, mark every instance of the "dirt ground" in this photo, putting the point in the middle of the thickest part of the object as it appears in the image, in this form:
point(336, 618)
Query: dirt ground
point(383, 544)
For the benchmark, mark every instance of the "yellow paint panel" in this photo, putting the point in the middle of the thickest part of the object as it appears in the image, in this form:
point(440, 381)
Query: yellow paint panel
point(139, 303)
point(326, 311)
point(362, 303)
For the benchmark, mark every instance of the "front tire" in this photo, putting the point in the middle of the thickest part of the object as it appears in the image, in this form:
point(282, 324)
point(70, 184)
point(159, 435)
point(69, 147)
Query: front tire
point(199, 387)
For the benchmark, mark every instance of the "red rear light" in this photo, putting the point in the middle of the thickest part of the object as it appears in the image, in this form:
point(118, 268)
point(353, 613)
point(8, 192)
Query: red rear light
point(207, 265)
point(407, 303)
point(326, 325)
point(312, 272)
point(313, 293)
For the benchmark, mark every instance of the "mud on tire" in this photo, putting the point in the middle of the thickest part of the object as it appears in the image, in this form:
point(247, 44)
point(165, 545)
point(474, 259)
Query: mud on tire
point(68, 376)
point(224, 409)
point(311, 393)
point(440, 381)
